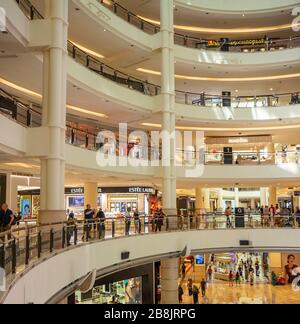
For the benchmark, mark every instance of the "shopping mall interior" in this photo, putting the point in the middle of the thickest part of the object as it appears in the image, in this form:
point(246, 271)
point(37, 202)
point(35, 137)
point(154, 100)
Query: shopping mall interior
point(150, 151)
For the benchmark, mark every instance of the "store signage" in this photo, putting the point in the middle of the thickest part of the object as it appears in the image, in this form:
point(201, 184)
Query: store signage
point(239, 140)
point(74, 191)
point(297, 193)
point(239, 217)
point(234, 43)
point(131, 190)
point(80, 191)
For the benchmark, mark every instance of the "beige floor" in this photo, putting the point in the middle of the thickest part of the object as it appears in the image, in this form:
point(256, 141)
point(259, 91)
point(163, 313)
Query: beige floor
point(221, 293)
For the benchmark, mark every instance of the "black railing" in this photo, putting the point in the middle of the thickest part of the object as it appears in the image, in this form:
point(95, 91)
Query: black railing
point(110, 73)
point(130, 17)
point(184, 97)
point(26, 244)
point(252, 45)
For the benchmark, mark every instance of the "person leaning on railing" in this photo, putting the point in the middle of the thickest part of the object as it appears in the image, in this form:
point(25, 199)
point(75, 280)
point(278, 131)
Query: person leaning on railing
point(295, 99)
point(6, 218)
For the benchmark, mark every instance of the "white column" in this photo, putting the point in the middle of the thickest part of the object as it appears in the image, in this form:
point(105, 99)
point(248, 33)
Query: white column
point(168, 109)
point(169, 281)
point(252, 204)
point(91, 194)
point(199, 198)
point(273, 196)
point(206, 194)
point(236, 197)
point(220, 199)
point(54, 113)
point(264, 197)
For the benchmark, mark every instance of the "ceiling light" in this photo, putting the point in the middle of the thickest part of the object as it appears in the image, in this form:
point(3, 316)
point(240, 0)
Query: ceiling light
point(37, 95)
point(228, 30)
point(196, 78)
point(88, 51)
point(223, 129)
point(19, 88)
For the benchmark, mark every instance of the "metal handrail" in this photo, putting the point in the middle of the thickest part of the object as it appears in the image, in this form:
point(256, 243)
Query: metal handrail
point(189, 98)
point(22, 247)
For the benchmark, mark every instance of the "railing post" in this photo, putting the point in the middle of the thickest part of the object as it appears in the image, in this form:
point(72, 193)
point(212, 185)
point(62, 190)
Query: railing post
point(13, 256)
point(186, 98)
point(63, 243)
point(39, 247)
point(31, 12)
point(87, 61)
point(2, 256)
point(51, 240)
point(28, 118)
point(113, 229)
point(75, 235)
point(74, 52)
point(27, 249)
point(87, 227)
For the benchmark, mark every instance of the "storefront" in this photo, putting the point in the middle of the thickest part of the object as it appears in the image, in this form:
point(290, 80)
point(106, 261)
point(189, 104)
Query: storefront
point(114, 201)
point(226, 262)
point(121, 292)
point(239, 150)
point(130, 286)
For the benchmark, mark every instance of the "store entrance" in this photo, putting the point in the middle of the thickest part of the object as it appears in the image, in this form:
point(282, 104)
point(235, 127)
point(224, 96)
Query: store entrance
point(241, 278)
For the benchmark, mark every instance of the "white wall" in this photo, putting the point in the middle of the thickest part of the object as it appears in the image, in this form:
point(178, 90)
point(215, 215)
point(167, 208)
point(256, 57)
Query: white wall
point(227, 60)
point(46, 279)
point(265, 114)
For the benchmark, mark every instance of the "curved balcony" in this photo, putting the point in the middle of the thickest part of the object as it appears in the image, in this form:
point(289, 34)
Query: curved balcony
point(30, 252)
point(188, 98)
point(233, 6)
point(245, 46)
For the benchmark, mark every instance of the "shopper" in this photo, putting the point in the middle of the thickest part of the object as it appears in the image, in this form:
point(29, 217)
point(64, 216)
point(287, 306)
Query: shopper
point(89, 214)
point(190, 286)
point(6, 218)
point(272, 212)
point(228, 214)
point(203, 286)
point(237, 278)
point(230, 277)
point(137, 222)
point(101, 219)
point(266, 216)
point(127, 221)
point(246, 273)
point(257, 267)
point(195, 295)
point(70, 227)
point(251, 276)
point(289, 276)
point(159, 220)
point(210, 273)
point(180, 294)
point(183, 270)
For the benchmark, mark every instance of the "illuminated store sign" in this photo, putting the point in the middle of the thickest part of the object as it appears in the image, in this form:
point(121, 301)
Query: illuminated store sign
point(240, 140)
